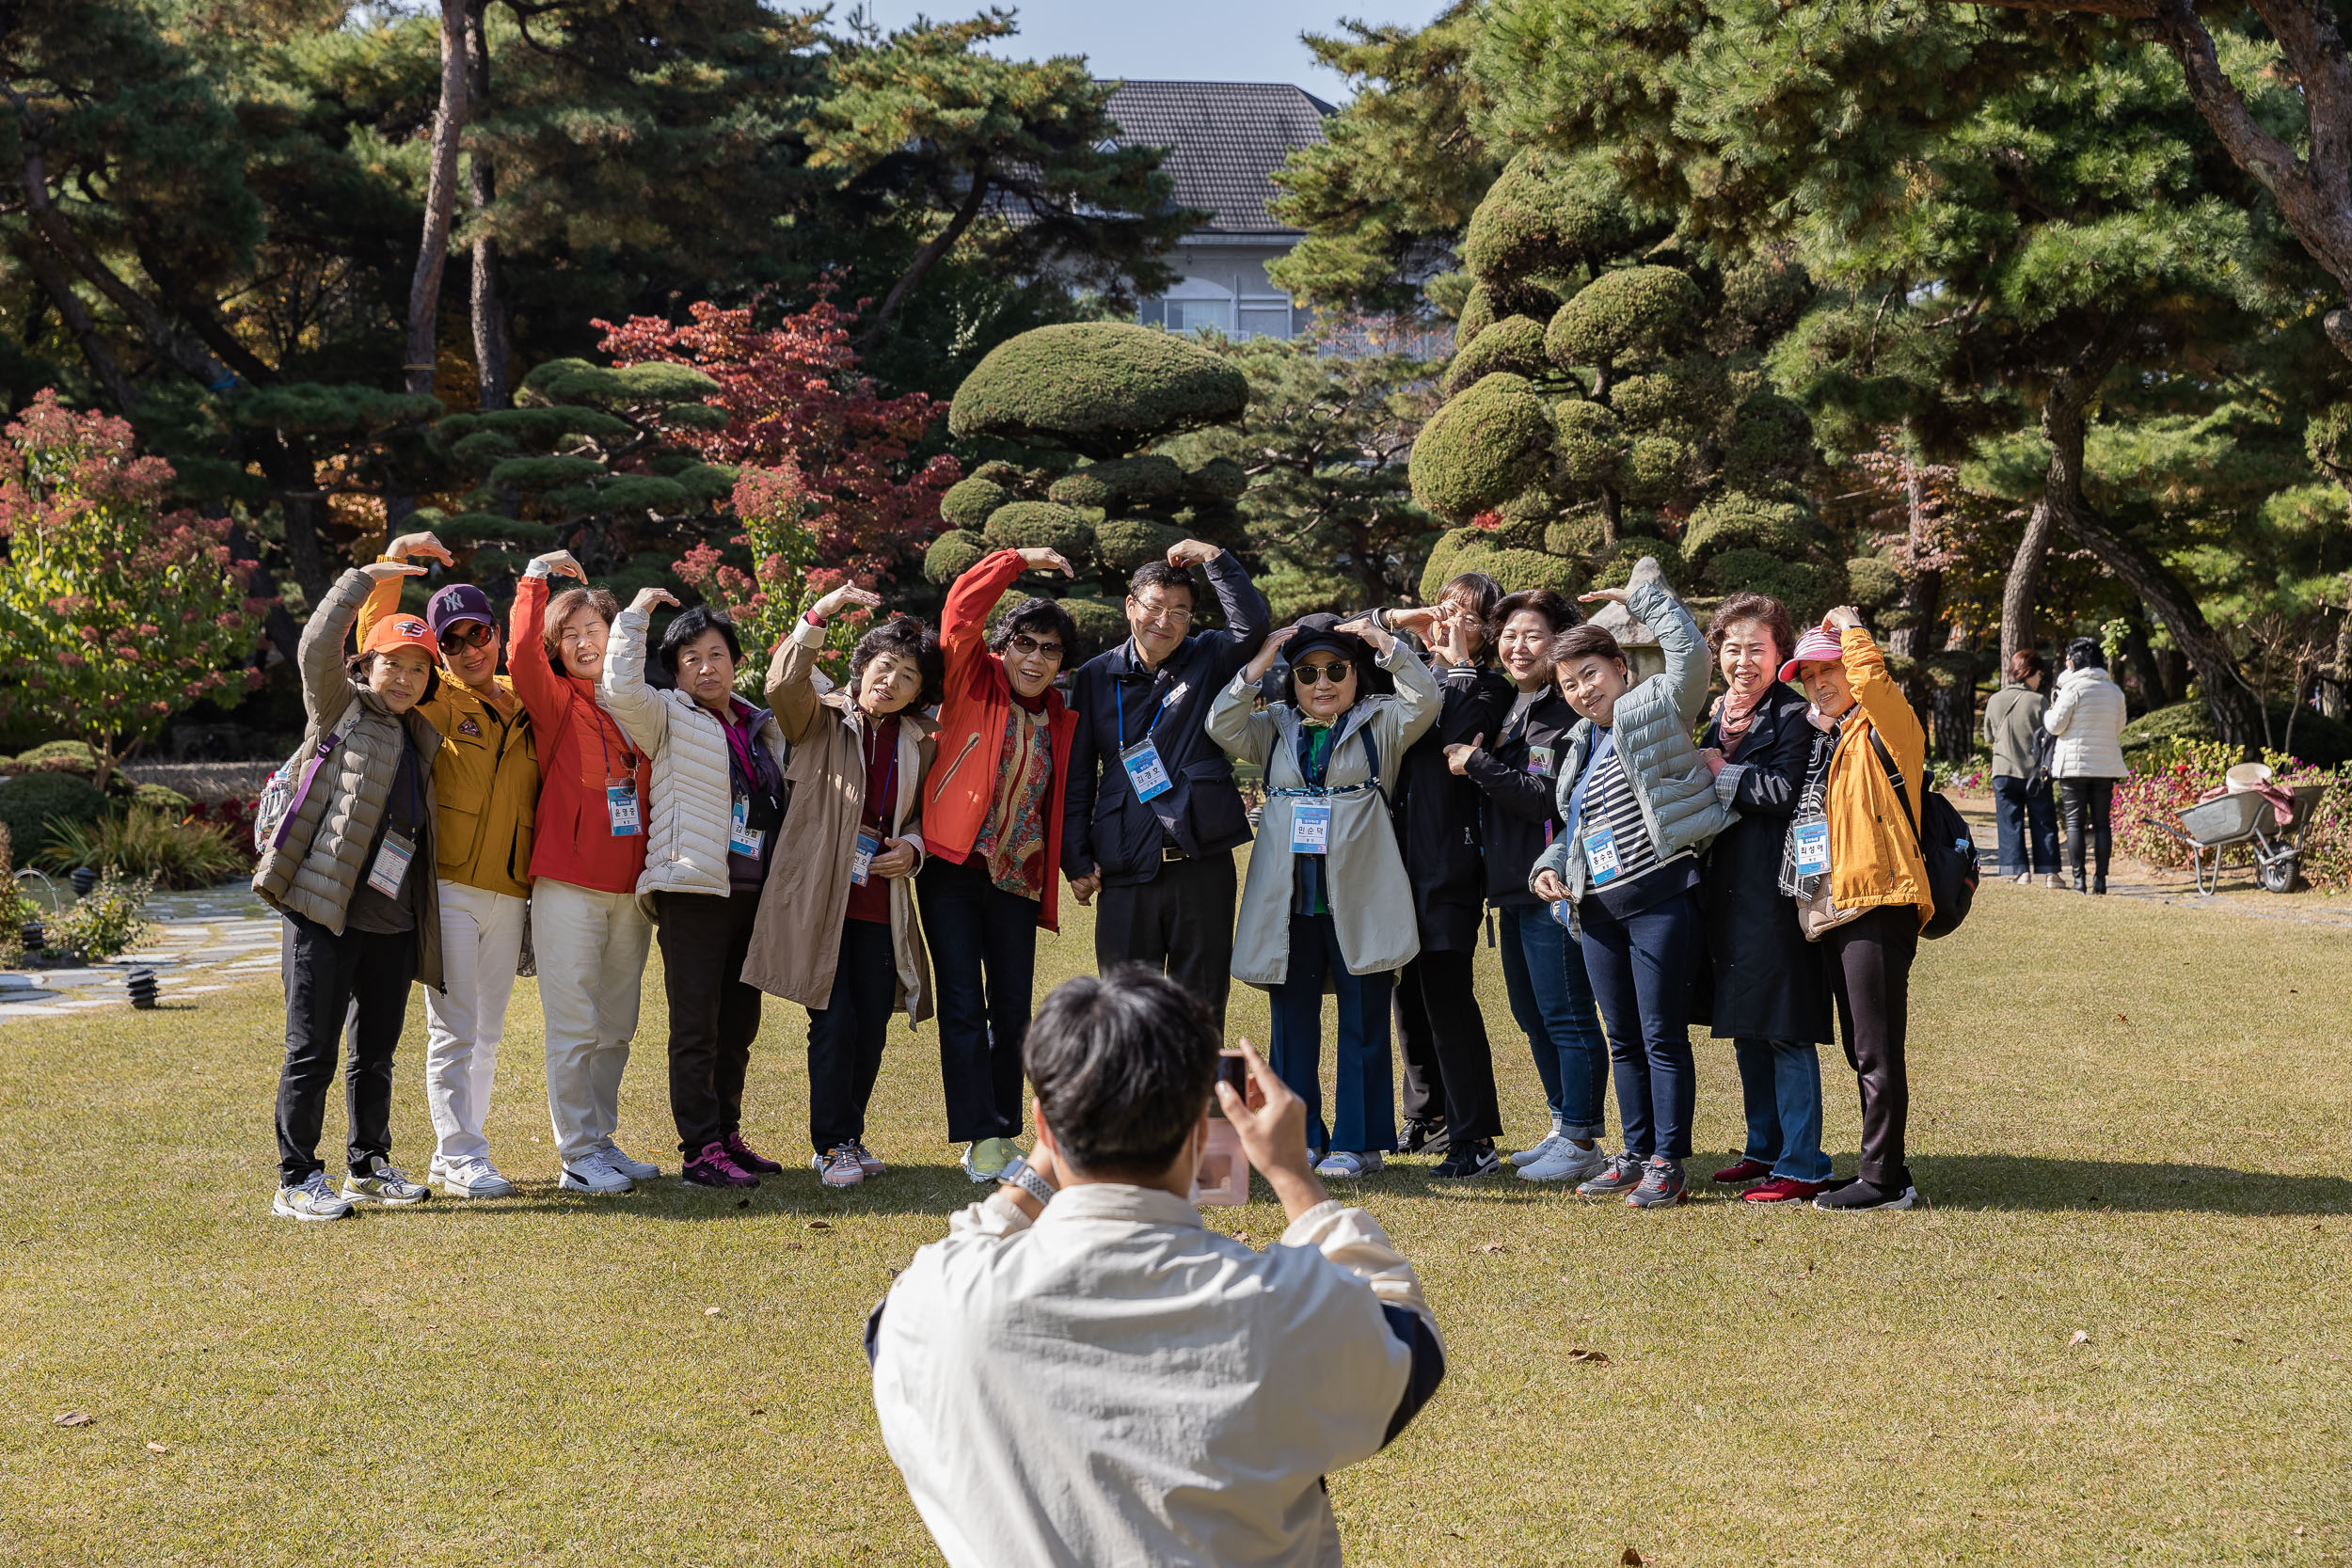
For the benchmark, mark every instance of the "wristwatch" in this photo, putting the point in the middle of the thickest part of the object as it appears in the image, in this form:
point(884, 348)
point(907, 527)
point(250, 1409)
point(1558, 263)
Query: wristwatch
point(1018, 1173)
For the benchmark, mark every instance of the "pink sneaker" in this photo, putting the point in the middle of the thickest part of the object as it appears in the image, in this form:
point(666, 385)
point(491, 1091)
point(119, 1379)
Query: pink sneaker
point(839, 1167)
point(715, 1167)
point(750, 1158)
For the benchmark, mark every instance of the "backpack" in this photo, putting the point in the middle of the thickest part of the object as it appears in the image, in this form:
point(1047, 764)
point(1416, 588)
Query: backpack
point(1946, 848)
point(2043, 763)
point(282, 796)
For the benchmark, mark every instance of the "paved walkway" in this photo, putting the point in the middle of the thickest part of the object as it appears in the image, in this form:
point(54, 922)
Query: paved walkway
point(206, 941)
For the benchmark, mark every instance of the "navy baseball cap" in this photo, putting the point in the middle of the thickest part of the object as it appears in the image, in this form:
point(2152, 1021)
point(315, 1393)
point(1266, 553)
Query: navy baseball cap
point(459, 601)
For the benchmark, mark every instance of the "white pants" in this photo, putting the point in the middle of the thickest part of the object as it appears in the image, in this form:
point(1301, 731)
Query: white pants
point(591, 949)
point(482, 937)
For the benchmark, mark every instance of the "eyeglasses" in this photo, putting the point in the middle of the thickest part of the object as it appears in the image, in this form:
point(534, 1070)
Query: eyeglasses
point(1154, 610)
point(468, 634)
point(1331, 673)
point(1029, 647)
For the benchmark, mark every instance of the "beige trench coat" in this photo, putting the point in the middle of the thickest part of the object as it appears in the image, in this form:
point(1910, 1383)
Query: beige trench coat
point(796, 938)
point(1372, 903)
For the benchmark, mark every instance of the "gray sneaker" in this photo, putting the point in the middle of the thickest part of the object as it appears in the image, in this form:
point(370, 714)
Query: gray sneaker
point(627, 1165)
point(1621, 1175)
point(1661, 1187)
point(1565, 1162)
point(384, 1183)
point(310, 1199)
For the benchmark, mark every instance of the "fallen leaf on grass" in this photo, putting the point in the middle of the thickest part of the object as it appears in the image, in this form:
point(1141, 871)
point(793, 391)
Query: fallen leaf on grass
point(758, 1411)
point(2120, 1019)
point(1596, 1358)
point(712, 1311)
point(157, 1448)
point(2082, 1336)
point(1632, 1559)
point(1490, 1246)
point(74, 1418)
point(821, 1225)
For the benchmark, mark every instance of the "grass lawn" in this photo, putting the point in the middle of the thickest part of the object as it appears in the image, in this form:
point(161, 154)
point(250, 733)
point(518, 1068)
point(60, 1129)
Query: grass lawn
point(2129, 1118)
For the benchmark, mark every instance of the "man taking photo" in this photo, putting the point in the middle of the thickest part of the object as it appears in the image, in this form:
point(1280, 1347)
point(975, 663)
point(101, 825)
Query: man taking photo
point(1083, 1373)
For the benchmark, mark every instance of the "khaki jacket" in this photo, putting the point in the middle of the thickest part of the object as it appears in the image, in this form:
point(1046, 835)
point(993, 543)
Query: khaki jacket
point(486, 777)
point(1873, 853)
point(314, 871)
point(796, 938)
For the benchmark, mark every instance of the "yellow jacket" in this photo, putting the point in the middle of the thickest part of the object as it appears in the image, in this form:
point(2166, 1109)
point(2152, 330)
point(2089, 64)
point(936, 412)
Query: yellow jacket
point(1873, 853)
point(486, 777)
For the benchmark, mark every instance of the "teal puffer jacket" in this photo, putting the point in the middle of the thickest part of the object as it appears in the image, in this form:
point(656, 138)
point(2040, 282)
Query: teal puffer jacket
point(1653, 724)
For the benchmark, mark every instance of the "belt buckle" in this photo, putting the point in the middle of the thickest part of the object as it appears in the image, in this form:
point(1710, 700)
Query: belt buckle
point(1168, 855)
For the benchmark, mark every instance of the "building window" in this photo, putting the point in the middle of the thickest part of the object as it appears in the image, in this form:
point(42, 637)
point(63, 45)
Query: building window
point(1192, 315)
point(1260, 319)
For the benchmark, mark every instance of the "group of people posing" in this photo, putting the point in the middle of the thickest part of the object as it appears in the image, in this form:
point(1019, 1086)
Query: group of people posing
point(894, 844)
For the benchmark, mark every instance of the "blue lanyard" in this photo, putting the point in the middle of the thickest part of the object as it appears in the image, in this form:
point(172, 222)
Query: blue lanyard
point(1120, 687)
point(1601, 748)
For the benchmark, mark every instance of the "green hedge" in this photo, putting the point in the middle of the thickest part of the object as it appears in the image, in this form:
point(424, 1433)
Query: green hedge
point(1102, 389)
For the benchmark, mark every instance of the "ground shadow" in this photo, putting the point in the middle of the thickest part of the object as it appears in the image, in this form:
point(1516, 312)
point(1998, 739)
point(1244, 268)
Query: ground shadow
point(2033, 1183)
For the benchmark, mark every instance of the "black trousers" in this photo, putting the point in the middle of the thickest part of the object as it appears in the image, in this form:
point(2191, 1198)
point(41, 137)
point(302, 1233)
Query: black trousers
point(356, 982)
point(1181, 921)
point(983, 943)
point(1869, 972)
point(714, 1016)
point(2087, 803)
point(845, 1036)
point(1448, 1061)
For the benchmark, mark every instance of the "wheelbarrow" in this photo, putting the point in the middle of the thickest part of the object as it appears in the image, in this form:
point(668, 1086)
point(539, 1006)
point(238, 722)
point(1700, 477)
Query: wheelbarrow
point(2212, 828)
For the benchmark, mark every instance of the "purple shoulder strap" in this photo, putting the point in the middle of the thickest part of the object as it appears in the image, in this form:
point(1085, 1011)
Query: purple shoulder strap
point(328, 742)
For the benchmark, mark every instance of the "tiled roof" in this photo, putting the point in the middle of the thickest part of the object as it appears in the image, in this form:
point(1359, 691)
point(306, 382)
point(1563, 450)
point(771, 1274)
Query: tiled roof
point(1223, 139)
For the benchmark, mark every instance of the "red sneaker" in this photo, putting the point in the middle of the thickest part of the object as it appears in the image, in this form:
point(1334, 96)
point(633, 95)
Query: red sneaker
point(715, 1167)
point(1782, 1189)
point(1746, 1170)
point(748, 1158)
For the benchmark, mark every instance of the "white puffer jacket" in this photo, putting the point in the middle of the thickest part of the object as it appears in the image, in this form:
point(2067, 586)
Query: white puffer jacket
point(2086, 715)
point(690, 806)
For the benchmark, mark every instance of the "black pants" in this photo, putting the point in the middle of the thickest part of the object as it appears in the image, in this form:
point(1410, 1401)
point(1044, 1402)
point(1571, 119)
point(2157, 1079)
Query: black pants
point(1181, 921)
point(359, 979)
point(2088, 801)
point(1445, 1048)
point(714, 1016)
point(844, 1036)
point(1869, 972)
point(983, 944)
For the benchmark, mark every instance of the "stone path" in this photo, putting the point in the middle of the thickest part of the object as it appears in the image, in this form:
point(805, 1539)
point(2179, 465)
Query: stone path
point(206, 941)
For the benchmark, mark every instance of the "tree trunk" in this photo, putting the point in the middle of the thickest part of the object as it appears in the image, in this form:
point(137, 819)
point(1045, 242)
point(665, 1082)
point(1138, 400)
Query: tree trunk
point(488, 308)
point(440, 201)
point(2236, 717)
point(2065, 418)
point(928, 256)
point(287, 464)
point(2143, 658)
point(2025, 581)
point(1922, 601)
point(76, 317)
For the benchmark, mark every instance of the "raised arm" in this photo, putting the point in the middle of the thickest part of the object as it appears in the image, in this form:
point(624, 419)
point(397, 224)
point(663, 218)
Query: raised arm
point(791, 692)
point(535, 682)
point(1882, 700)
point(637, 708)
point(963, 622)
point(1687, 668)
point(1418, 699)
point(320, 654)
point(386, 596)
point(1235, 722)
point(1247, 617)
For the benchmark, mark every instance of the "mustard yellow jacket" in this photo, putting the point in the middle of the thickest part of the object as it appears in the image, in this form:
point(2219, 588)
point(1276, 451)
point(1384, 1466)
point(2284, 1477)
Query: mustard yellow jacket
point(486, 777)
point(1873, 854)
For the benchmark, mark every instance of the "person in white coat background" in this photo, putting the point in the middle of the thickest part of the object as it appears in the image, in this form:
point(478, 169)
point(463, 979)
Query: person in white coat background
point(2086, 715)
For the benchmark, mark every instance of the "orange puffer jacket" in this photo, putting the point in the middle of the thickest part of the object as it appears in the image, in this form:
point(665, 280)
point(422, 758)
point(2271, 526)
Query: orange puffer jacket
point(1873, 853)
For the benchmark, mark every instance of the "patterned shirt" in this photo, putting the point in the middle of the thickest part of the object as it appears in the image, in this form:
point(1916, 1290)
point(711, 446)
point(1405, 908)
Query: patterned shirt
point(1609, 802)
point(1011, 843)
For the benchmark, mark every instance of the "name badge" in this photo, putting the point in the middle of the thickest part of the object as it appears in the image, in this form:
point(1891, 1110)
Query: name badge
point(862, 858)
point(1540, 760)
point(1600, 855)
point(620, 805)
point(1144, 770)
point(1812, 847)
point(1311, 827)
point(392, 865)
point(742, 837)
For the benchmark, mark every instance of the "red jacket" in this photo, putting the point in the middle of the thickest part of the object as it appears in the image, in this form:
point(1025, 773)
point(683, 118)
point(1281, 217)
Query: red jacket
point(577, 742)
point(961, 788)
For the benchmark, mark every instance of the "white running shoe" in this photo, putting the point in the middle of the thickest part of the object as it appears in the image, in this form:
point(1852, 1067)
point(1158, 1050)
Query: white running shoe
point(384, 1182)
point(310, 1199)
point(593, 1173)
point(1566, 1163)
point(635, 1169)
point(1346, 1164)
point(469, 1175)
point(1544, 1150)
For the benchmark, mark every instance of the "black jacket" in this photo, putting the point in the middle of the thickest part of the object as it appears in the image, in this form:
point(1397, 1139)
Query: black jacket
point(1436, 811)
point(1769, 982)
point(1519, 775)
point(1103, 826)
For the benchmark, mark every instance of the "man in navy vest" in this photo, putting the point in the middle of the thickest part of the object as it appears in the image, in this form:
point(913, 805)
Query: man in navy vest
point(1151, 818)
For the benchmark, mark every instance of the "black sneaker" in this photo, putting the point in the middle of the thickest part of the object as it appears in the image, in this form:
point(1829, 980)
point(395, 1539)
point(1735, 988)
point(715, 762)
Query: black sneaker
point(1857, 1197)
point(1471, 1160)
point(1422, 1137)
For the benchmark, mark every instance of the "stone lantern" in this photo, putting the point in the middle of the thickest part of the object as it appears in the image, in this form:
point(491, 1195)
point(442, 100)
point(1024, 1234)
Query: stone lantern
point(1642, 652)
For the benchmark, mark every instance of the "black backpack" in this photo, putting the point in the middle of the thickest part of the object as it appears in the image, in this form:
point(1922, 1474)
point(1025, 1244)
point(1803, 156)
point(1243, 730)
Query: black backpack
point(1946, 848)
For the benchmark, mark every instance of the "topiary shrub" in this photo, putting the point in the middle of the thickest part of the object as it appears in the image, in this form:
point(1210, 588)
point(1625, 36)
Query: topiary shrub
point(1099, 389)
point(1543, 214)
point(1642, 311)
point(1042, 525)
point(1124, 544)
point(1513, 344)
point(1771, 442)
point(1615, 564)
point(33, 804)
point(2318, 740)
point(1577, 535)
point(1483, 447)
point(160, 798)
point(1807, 587)
point(1736, 520)
point(1871, 583)
point(60, 756)
point(1220, 479)
point(1654, 469)
point(1100, 623)
point(952, 554)
point(1105, 486)
point(969, 501)
point(1514, 570)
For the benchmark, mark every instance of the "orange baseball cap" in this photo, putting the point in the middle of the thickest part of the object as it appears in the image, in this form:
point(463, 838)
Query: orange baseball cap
point(395, 632)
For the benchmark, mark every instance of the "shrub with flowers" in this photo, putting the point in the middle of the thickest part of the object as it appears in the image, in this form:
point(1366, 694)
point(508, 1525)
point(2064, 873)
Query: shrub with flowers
point(2170, 776)
point(115, 613)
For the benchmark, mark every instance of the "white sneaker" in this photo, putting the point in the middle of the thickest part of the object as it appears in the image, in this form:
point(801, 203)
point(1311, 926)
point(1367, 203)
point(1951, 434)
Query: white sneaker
point(470, 1175)
point(313, 1199)
point(635, 1169)
point(1566, 1163)
point(384, 1182)
point(1346, 1164)
point(1543, 1150)
point(593, 1173)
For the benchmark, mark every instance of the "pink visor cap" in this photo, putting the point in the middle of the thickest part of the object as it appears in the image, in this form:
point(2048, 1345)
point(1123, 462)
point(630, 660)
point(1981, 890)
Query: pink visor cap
point(1815, 647)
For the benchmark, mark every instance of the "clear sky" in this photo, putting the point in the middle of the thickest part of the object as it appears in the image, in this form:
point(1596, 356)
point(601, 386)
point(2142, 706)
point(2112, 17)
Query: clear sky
point(1204, 40)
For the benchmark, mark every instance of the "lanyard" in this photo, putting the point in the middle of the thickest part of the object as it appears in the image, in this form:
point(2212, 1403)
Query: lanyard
point(628, 757)
point(741, 747)
point(1120, 687)
point(1601, 748)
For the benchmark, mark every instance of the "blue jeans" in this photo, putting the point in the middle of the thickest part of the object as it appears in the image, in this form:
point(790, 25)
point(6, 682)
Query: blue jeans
point(1543, 975)
point(1781, 1083)
point(2020, 812)
point(1641, 973)
point(1364, 1116)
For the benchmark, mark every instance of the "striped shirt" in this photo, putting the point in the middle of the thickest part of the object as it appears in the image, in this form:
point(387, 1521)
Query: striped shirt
point(1609, 802)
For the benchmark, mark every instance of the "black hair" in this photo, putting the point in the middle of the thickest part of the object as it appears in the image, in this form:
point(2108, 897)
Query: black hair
point(1036, 615)
point(1122, 1065)
point(1554, 608)
point(1160, 574)
point(356, 667)
point(690, 624)
point(1478, 594)
point(910, 638)
point(1584, 641)
point(2084, 652)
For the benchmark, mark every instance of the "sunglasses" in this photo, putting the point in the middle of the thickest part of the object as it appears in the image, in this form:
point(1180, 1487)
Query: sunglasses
point(1029, 647)
point(1319, 674)
point(470, 634)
